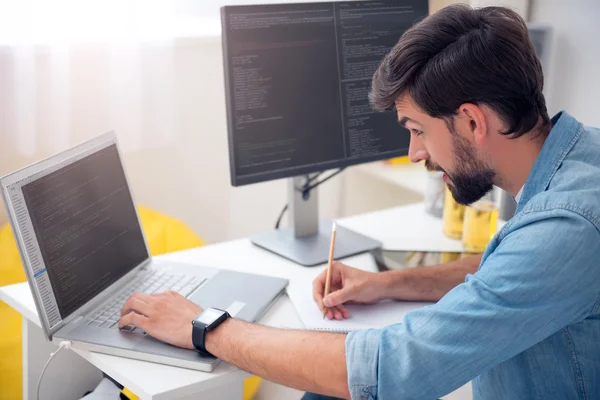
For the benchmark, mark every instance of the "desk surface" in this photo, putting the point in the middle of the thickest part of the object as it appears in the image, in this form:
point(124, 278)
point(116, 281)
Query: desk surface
point(397, 227)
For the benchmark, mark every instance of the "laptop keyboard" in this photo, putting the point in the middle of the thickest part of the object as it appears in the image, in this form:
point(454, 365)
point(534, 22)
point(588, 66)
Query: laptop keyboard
point(152, 282)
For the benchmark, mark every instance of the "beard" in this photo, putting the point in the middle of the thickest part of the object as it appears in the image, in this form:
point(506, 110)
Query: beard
point(472, 179)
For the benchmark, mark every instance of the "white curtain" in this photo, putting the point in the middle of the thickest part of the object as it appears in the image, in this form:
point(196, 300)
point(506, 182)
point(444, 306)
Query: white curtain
point(74, 69)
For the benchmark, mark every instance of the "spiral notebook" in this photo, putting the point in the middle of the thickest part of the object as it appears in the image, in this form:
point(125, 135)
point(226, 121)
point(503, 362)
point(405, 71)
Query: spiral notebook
point(375, 316)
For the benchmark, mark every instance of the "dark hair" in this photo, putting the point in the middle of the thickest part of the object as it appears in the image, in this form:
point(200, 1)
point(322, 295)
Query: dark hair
point(464, 55)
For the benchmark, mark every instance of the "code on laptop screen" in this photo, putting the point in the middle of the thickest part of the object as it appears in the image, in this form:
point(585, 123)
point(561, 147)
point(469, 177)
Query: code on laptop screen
point(86, 226)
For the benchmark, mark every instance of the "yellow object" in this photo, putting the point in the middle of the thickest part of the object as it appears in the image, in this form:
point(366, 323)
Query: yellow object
point(398, 160)
point(481, 222)
point(251, 385)
point(129, 394)
point(448, 257)
point(163, 235)
point(454, 214)
point(11, 367)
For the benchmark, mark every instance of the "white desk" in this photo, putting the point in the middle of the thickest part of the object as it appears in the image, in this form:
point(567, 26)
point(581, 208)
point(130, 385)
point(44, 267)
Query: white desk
point(69, 375)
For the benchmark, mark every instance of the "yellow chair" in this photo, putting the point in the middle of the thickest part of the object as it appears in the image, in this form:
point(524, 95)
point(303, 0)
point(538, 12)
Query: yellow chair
point(163, 235)
point(11, 367)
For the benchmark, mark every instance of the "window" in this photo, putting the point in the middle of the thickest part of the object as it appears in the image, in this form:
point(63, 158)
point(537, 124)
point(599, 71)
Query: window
point(68, 21)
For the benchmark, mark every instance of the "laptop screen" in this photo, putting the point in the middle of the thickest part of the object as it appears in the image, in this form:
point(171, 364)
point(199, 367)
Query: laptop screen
point(86, 227)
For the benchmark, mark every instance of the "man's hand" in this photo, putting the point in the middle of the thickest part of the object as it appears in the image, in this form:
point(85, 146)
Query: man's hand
point(347, 285)
point(166, 316)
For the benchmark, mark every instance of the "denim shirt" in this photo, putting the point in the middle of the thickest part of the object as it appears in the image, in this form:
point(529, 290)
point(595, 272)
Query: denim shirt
point(526, 325)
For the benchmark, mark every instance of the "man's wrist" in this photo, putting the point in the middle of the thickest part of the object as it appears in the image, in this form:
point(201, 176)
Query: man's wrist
point(389, 283)
point(213, 338)
point(189, 342)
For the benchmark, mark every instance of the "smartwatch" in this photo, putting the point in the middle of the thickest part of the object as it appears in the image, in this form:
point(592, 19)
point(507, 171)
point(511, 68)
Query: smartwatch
point(209, 320)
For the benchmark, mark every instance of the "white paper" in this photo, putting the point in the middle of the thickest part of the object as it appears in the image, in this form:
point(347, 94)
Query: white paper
point(375, 316)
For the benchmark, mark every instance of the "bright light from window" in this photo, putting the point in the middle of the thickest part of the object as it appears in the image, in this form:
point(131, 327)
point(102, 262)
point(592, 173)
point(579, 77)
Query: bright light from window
point(69, 21)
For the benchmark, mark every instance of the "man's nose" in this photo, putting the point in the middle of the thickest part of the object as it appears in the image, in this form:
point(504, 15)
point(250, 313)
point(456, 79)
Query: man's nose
point(417, 151)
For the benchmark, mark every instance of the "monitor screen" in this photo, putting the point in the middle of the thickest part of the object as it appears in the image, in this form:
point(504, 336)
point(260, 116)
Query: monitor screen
point(86, 226)
point(297, 82)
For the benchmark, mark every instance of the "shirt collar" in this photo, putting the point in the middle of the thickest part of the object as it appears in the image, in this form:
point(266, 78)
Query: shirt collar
point(563, 135)
point(518, 196)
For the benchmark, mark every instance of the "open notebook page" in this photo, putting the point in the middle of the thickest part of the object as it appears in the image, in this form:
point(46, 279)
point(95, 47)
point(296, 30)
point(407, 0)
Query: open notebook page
point(376, 316)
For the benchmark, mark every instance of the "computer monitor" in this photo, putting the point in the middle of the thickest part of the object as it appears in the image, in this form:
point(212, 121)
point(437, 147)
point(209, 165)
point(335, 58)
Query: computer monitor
point(297, 79)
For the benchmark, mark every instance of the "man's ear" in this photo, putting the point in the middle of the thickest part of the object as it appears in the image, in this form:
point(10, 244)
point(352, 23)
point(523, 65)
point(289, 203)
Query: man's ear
point(475, 121)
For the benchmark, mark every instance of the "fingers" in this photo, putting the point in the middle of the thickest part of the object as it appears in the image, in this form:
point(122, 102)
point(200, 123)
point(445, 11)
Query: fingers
point(142, 296)
point(331, 312)
point(336, 264)
point(134, 319)
point(338, 312)
point(338, 297)
point(173, 293)
point(318, 290)
point(139, 303)
point(319, 285)
point(344, 311)
point(319, 281)
point(134, 304)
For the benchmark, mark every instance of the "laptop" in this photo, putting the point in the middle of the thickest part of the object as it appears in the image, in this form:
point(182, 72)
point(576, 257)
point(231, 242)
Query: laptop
point(84, 253)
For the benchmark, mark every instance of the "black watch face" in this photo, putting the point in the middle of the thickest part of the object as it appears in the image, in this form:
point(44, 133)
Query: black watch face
point(209, 316)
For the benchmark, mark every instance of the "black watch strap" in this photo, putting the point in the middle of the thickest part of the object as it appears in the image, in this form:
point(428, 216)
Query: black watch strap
point(198, 338)
point(201, 327)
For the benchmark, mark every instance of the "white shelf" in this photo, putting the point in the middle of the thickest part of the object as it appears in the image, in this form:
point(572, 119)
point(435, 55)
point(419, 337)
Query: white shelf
point(408, 176)
point(405, 228)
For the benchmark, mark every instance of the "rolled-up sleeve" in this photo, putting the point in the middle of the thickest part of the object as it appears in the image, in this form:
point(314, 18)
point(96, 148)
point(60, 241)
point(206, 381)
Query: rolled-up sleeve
point(362, 358)
point(529, 286)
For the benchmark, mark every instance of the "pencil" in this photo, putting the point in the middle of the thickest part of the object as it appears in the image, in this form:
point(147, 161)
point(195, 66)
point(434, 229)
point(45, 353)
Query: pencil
point(329, 264)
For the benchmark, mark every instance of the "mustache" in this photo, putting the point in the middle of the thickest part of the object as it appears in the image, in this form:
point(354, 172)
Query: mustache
point(431, 167)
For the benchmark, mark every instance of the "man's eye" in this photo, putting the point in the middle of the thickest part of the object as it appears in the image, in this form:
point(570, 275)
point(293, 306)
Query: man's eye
point(417, 132)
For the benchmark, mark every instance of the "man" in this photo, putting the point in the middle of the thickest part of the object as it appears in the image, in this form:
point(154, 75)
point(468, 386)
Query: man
point(522, 320)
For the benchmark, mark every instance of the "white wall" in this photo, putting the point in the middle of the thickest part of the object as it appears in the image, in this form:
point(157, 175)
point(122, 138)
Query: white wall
point(520, 6)
point(574, 80)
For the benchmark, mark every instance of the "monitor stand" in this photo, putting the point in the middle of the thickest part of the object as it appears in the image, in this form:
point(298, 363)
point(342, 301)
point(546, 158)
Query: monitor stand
point(307, 240)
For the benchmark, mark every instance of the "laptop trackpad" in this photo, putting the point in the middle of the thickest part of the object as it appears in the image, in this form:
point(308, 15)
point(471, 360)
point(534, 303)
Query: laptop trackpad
point(245, 295)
